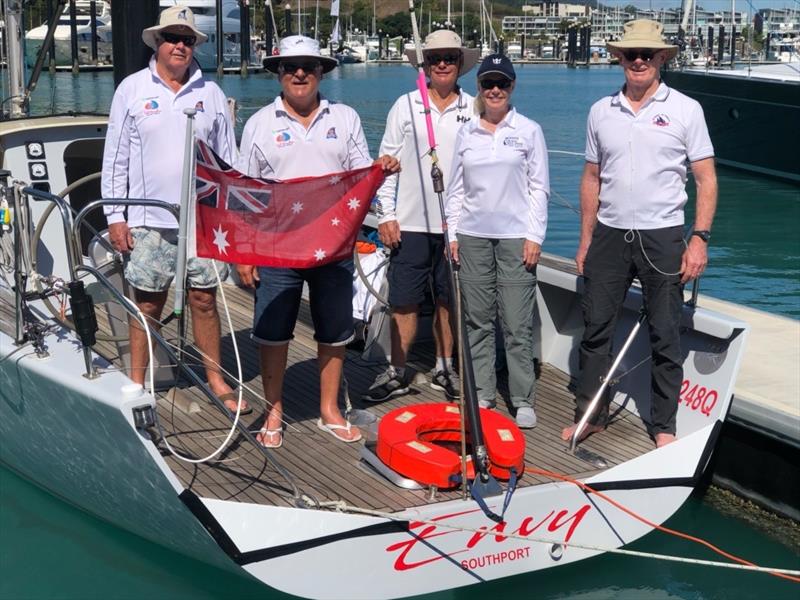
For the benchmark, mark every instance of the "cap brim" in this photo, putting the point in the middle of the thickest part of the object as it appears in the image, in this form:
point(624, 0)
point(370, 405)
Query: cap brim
point(493, 72)
point(328, 63)
point(471, 58)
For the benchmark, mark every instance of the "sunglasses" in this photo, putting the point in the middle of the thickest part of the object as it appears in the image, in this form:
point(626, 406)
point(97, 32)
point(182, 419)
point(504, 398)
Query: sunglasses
point(174, 38)
point(490, 84)
point(290, 67)
point(434, 59)
point(645, 55)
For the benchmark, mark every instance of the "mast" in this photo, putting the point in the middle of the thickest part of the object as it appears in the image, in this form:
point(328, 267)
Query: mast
point(18, 106)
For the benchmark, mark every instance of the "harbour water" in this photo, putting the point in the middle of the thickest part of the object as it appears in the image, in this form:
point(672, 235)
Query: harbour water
point(51, 550)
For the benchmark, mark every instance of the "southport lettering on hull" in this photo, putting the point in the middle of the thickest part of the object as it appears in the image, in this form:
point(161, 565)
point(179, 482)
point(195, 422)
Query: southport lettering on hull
point(495, 559)
point(417, 552)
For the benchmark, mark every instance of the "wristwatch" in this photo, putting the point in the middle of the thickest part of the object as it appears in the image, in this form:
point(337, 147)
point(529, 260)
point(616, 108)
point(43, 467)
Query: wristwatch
point(703, 234)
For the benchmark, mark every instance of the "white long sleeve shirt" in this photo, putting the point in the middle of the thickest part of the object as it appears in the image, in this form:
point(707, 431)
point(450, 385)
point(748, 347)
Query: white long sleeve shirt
point(276, 146)
point(408, 196)
point(500, 184)
point(144, 148)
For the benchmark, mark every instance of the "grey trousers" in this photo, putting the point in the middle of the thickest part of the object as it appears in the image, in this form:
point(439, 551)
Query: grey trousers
point(493, 277)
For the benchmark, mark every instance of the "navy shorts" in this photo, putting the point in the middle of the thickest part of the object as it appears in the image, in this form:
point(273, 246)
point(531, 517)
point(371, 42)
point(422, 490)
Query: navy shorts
point(417, 265)
point(278, 296)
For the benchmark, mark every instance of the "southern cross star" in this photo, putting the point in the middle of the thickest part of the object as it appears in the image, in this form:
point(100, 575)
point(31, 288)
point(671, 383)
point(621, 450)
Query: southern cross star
point(353, 203)
point(319, 254)
point(334, 180)
point(335, 221)
point(297, 207)
point(221, 240)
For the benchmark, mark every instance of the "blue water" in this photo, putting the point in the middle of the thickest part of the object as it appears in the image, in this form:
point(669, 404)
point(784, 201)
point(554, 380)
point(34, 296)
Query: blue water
point(755, 250)
point(51, 550)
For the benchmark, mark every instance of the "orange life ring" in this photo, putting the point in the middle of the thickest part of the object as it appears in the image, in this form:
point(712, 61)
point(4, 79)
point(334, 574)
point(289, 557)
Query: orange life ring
point(410, 442)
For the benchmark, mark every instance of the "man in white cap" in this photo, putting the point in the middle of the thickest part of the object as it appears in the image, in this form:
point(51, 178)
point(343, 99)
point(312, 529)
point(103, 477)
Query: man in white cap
point(638, 143)
point(143, 158)
point(410, 222)
point(302, 134)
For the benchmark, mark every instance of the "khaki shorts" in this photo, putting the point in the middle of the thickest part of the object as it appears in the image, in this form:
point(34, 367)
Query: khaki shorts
point(151, 263)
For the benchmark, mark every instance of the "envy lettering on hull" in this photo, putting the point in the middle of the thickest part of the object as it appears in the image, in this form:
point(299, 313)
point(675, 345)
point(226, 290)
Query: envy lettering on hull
point(421, 550)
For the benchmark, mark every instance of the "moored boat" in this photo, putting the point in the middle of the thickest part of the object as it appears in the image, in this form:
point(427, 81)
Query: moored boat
point(71, 422)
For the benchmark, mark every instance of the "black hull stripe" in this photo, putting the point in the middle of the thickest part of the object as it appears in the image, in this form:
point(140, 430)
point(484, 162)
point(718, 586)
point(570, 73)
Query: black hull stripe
point(216, 531)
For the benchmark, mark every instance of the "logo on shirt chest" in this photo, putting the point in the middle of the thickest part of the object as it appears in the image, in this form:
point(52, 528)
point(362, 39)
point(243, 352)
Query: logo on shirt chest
point(462, 118)
point(199, 106)
point(661, 120)
point(513, 142)
point(151, 107)
point(331, 135)
point(284, 139)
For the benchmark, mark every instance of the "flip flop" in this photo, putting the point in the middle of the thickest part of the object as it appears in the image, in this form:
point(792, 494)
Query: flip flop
point(234, 395)
point(333, 428)
point(270, 434)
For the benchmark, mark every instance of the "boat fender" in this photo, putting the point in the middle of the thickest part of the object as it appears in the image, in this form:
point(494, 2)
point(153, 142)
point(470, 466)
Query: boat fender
point(83, 312)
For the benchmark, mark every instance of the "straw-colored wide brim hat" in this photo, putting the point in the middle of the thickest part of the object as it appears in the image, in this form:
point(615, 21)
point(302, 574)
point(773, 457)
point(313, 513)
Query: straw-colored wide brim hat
point(299, 46)
point(444, 39)
point(173, 17)
point(643, 33)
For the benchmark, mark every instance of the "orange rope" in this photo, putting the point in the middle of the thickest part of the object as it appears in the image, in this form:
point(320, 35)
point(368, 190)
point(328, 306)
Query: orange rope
point(649, 523)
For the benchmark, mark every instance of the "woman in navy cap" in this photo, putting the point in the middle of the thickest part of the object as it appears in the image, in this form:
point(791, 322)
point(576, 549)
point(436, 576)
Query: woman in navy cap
point(497, 216)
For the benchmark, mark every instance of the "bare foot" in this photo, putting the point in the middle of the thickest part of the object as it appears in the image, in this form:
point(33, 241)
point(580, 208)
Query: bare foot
point(662, 439)
point(589, 429)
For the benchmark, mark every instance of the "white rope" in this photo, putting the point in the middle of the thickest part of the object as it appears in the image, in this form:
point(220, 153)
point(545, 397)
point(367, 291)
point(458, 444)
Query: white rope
point(342, 506)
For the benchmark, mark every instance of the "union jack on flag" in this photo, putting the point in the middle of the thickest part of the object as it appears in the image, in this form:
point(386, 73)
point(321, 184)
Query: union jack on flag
point(218, 182)
point(299, 223)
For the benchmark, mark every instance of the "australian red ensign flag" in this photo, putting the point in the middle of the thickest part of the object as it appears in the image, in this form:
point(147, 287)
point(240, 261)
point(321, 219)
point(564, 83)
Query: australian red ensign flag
point(298, 223)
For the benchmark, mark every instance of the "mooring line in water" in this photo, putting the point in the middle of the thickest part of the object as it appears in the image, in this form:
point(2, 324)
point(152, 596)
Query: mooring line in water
point(743, 565)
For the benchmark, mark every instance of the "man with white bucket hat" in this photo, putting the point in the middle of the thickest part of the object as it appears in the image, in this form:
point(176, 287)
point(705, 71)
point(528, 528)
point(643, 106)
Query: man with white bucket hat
point(410, 223)
point(638, 143)
point(302, 134)
point(143, 158)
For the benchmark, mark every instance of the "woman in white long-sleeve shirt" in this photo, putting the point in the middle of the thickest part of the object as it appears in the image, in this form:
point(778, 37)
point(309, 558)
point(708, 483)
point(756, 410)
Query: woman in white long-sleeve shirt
point(497, 216)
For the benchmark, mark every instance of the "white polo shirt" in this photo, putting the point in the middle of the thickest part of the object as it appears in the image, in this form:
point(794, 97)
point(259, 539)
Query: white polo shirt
point(643, 157)
point(276, 146)
point(408, 196)
point(144, 149)
point(500, 184)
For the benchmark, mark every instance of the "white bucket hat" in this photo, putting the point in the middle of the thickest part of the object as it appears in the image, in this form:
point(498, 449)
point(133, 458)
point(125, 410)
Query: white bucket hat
point(645, 34)
point(299, 46)
point(444, 39)
point(174, 16)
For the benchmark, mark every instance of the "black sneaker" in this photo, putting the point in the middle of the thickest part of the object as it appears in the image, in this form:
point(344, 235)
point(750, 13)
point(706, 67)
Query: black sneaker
point(445, 382)
point(388, 384)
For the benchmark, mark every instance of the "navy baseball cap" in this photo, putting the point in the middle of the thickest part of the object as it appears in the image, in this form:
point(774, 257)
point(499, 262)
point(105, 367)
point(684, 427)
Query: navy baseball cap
point(498, 64)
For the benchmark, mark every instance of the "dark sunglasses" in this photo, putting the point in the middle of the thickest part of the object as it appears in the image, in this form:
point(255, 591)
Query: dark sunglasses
point(434, 59)
point(645, 55)
point(174, 38)
point(290, 67)
point(490, 84)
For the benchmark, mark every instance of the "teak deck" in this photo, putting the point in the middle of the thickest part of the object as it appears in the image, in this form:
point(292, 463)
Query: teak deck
point(327, 469)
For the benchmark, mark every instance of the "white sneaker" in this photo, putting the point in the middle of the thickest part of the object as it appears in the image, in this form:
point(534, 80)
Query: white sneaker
point(487, 403)
point(526, 417)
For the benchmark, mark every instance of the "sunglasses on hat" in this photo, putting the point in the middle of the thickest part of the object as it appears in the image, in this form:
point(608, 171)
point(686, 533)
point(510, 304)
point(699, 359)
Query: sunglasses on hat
point(174, 38)
point(290, 67)
point(645, 55)
point(490, 84)
point(434, 59)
